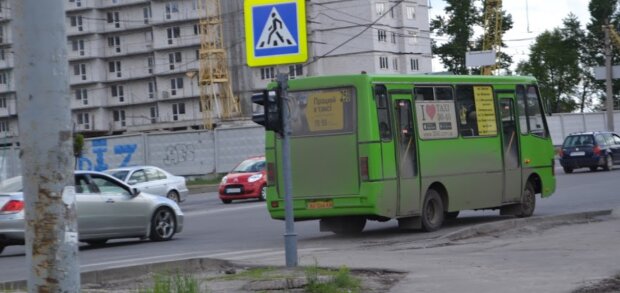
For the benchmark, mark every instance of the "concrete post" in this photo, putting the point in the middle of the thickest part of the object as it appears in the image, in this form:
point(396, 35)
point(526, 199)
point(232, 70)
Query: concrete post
point(42, 86)
point(609, 100)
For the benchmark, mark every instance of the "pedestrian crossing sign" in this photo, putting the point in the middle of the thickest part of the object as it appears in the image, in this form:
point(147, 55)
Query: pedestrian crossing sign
point(275, 32)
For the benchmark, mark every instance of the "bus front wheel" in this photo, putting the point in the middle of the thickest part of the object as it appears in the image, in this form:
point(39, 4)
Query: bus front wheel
point(528, 201)
point(432, 211)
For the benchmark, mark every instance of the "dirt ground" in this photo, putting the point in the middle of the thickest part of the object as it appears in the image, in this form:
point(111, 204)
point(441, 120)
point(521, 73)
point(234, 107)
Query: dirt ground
point(231, 278)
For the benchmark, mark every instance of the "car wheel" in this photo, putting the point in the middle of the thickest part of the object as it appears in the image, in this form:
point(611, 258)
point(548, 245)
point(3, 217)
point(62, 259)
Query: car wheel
point(432, 211)
point(173, 195)
point(263, 193)
point(97, 242)
point(163, 225)
point(568, 170)
point(609, 163)
point(226, 201)
point(451, 215)
point(528, 201)
point(593, 169)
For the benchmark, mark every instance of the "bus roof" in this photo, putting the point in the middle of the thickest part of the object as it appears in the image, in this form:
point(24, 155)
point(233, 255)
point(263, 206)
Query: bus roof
point(423, 78)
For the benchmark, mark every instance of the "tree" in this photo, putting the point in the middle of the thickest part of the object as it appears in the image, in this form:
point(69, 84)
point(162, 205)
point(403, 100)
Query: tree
point(461, 16)
point(554, 61)
point(78, 147)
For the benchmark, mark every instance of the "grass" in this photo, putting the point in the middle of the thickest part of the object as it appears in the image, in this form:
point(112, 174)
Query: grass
point(174, 284)
point(206, 181)
point(340, 281)
point(253, 274)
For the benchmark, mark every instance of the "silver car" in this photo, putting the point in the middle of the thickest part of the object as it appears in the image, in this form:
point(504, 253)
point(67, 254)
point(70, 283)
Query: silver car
point(106, 209)
point(153, 180)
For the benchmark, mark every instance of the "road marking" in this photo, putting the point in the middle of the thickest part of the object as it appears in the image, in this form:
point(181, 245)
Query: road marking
point(210, 212)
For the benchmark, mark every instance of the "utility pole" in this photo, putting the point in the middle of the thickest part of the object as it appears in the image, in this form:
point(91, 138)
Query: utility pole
point(609, 100)
point(46, 141)
point(290, 237)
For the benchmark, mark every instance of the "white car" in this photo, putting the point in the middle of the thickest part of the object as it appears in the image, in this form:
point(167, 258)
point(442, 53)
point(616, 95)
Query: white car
point(153, 180)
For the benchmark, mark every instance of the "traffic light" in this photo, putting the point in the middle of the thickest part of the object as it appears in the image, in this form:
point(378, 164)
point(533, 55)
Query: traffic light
point(271, 116)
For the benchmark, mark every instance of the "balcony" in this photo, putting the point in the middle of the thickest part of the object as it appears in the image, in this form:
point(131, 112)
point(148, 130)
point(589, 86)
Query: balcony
point(7, 62)
point(134, 48)
point(183, 41)
point(119, 3)
point(123, 25)
point(137, 72)
point(75, 5)
point(163, 17)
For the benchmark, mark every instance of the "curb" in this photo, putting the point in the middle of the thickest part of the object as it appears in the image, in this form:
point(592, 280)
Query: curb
point(488, 228)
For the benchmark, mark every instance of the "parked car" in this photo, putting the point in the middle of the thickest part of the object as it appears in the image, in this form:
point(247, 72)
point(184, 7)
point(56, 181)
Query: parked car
point(246, 180)
point(106, 209)
point(153, 180)
point(590, 150)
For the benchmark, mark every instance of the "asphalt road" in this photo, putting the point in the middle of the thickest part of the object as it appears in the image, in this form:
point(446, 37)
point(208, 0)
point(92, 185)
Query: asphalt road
point(244, 229)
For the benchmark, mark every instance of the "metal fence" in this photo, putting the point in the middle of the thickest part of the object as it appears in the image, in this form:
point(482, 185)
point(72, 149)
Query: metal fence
point(218, 151)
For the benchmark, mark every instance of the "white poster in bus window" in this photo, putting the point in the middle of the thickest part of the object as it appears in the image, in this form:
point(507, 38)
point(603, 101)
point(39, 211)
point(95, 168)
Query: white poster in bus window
point(436, 119)
point(485, 110)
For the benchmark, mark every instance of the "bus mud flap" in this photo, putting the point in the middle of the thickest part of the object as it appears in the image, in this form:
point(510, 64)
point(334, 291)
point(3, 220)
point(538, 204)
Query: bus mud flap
point(410, 223)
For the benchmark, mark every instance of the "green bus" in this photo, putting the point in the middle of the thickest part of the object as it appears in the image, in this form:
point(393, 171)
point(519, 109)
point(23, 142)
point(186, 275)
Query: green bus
point(416, 148)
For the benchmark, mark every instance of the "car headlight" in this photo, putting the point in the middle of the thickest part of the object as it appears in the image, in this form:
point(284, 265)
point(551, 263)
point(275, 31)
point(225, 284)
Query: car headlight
point(224, 179)
point(255, 178)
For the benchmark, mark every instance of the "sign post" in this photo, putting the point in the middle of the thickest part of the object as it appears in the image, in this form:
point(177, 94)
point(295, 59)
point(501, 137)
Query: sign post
point(276, 34)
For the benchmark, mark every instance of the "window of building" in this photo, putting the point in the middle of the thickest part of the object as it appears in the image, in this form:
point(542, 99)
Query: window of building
point(196, 29)
point(383, 63)
point(1, 34)
point(152, 89)
point(3, 77)
point(393, 38)
point(415, 64)
point(3, 103)
point(176, 84)
point(382, 35)
point(115, 42)
point(115, 67)
point(380, 7)
point(177, 110)
point(2, 56)
point(410, 10)
point(146, 11)
point(118, 92)
point(268, 73)
point(295, 70)
point(80, 69)
point(194, 4)
point(174, 58)
point(4, 126)
point(119, 116)
point(154, 115)
point(83, 119)
point(82, 95)
point(171, 7)
point(173, 33)
point(150, 63)
point(78, 46)
point(395, 63)
point(76, 21)
point(197, 54)
point(114, 17)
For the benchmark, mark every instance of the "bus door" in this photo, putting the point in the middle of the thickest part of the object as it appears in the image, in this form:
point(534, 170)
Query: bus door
point(406, 154)
point(510, 142)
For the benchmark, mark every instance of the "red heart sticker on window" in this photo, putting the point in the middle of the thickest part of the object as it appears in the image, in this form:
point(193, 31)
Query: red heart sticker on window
point(431, 111)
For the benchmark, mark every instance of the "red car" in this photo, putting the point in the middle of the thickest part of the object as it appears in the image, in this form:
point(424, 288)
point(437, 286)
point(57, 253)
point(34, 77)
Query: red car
point(247, 180)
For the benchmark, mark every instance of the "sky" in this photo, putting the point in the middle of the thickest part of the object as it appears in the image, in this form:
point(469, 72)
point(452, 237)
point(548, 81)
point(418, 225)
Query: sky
point(543, 15)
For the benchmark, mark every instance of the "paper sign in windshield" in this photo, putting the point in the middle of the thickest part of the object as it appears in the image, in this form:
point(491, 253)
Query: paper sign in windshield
point(485, 110)
point(325, 111)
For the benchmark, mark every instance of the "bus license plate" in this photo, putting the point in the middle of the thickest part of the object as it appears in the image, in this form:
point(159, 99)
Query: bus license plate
point(320, 204)
point(233, 190)
point(576, 154)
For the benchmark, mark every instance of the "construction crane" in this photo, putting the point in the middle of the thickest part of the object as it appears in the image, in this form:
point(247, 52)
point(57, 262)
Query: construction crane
point(613, 35)
point(492, 31)
point(216, 95)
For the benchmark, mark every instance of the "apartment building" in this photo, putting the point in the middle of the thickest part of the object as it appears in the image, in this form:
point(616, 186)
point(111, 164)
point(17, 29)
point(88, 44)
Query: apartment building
point(133, 64)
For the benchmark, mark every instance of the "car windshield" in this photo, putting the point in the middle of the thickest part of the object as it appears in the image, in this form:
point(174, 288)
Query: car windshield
point(120, 175)
point(252, 165)
point(10, 185)
point(579, 140)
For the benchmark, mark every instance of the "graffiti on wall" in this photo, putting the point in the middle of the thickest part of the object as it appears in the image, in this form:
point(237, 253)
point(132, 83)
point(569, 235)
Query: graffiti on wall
point(179, 153)
point(100, 150)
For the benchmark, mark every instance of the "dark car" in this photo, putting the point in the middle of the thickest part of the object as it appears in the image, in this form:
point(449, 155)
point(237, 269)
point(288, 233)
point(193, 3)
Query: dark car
point(590, 150)
point(246, 180)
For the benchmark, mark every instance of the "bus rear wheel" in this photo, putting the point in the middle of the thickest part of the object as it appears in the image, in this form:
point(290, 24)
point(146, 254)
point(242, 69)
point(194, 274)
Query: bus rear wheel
point(432, 211)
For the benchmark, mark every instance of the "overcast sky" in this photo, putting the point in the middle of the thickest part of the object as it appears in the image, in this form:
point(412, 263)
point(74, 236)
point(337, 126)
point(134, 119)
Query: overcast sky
point(543, 15)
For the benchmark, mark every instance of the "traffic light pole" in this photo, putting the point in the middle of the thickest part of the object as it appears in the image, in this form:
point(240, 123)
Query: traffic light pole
point(290, 238)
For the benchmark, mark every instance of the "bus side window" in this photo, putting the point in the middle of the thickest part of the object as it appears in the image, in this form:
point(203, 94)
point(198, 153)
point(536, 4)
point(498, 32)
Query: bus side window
point(534, 113)
point(521, 107)
point(466, 110)
point(424, 94)
point(383, 114)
